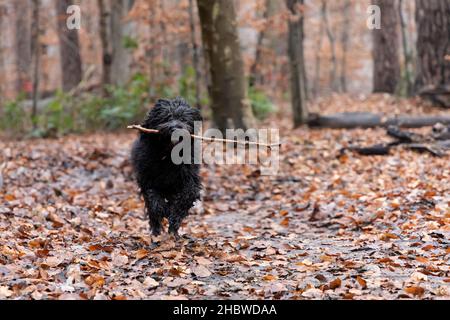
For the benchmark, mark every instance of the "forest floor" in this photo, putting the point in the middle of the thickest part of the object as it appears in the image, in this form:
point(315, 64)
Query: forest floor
point(330, 225)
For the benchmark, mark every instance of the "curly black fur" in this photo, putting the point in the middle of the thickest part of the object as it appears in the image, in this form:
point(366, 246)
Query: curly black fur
point(169, 190)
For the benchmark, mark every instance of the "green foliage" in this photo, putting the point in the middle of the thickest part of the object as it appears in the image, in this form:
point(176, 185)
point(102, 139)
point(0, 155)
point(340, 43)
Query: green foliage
point(68, 114)
point(125, 104)
point(55, 118)
point(130, 43)
point(13, 116)
point(261, 104)
point(186, 85)
point(119, 107)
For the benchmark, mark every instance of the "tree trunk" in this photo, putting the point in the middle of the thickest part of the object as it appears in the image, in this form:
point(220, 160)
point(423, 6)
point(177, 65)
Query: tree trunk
point(105, 43)
point(22, 43)
point(297, 64)
point(69, 48)
point(121, 57)
point(35, 51)
point(255, 74)
point(318, 58)
point(331, 39)
point(345, 43)
point(195, 53)
point(228, 87)
point(386, 73)
point(407, 55)
point(433, 44)
point(348, 120)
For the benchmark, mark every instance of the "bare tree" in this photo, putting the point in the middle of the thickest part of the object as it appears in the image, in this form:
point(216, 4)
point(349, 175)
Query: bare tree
point(318, 58)
point(407, 54)
point(269, 8)
point(433, 49)
point(385, 49)
point(121, 57)
point(228, 94)
point(297, 61)
point(69, 48)
point(195, 52)
point(345, 42)
point(332, 40)
point(114, 30)
point(105, 42)
point(35, 52)
point(22, 42)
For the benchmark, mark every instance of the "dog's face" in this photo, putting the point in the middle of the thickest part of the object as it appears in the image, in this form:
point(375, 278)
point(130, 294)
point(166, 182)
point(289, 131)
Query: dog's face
point(170, 115)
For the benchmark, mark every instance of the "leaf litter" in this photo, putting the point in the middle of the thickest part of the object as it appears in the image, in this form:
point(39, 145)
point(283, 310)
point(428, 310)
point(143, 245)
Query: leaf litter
point(328, 226)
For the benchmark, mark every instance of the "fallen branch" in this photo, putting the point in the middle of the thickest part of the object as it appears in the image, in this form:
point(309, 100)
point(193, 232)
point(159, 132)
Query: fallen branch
point(208, 139)
point(349, 120)
point(410, 140)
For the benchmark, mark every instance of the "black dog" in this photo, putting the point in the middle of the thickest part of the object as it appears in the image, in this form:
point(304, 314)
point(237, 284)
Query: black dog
point(169, 190)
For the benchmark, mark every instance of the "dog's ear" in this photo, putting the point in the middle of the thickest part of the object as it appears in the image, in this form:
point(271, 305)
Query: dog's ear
point(197, 116)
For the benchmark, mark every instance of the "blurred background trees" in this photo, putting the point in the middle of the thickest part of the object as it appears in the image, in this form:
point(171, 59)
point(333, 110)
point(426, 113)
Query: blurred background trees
point(236, 60)
point(386, 73)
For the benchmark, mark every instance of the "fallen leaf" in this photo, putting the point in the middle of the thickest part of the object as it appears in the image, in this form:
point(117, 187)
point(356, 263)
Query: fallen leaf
point(5, 292)
point(150, 283)
point(336, 283)
point(141, 254)
point(362, 282)
point(416, 291)
point(201, 271)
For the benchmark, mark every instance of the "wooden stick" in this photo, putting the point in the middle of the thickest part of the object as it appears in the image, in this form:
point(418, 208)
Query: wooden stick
point(246, 143)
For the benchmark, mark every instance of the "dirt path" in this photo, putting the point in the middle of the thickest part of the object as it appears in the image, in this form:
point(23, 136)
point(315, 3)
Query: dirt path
point(327, 226)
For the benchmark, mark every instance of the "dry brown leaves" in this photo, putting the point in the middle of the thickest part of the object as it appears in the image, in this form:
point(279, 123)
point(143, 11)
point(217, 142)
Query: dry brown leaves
point(328, 226)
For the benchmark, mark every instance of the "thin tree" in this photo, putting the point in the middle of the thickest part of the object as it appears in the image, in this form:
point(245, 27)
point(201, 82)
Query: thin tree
point(407, 54)
point(345, 43)
point(228, 89)
point(386, 74)
point(150, 49)
point(318, 59)
point(332, 40)
point(257, 62)
point(195, 52)
point(69, 48)
point(22, 43)
point(105, 43)
point(35, 52)
point(297, 61)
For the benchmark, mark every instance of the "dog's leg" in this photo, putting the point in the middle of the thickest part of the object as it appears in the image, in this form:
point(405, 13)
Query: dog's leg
point(156, 207)
point(179, 208)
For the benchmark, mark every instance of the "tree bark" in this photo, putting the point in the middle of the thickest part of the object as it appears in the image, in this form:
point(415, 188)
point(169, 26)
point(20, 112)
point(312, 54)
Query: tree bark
point(228, 89)
point(195, 53)
point(22, 43)
point(255, 74)
point(69, 48)
point(433, 44)
point(349, 120)
point(318, 58)
point(35, 51)
point(121, 57)
point(345, 43)
point(331, 39)
point(105, 43)
point(407, 55)
point(386, 73)
point(297, 61)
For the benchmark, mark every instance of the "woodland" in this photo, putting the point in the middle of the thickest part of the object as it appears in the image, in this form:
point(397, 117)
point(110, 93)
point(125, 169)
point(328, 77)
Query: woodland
point(359, 90)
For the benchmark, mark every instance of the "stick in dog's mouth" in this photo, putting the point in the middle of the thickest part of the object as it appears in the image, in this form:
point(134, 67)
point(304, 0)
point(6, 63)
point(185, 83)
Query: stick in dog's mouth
point(208, 139)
